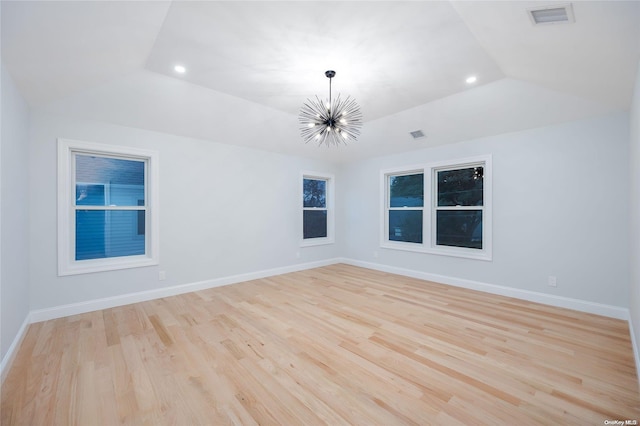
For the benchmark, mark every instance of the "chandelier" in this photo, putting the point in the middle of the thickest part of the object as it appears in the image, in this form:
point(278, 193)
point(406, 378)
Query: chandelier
point(332, 123)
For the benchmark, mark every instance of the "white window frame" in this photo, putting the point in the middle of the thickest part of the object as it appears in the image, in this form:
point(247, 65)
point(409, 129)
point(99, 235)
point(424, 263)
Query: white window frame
point(329, 239)
point(430, 207)
point(67, 263)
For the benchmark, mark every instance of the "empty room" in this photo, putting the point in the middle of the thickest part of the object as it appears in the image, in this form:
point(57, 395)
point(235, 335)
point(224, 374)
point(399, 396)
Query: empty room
point(320, 213)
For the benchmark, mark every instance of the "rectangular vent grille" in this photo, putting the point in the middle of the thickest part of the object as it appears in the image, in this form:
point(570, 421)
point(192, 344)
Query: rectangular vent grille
point(416, 134)
point(558, 14)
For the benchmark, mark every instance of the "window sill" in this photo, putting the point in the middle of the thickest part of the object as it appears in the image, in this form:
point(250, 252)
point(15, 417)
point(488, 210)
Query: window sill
point(311, 242)
point(420, 248)
point(103, 265)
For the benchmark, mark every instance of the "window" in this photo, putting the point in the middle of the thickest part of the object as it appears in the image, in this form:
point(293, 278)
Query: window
point(317, 209)
point(457, 218)
point(458, 206)
point(107, 207)
point(405, 207)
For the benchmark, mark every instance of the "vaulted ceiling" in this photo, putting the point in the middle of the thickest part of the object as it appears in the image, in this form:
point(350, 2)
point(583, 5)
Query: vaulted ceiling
point(251, 65)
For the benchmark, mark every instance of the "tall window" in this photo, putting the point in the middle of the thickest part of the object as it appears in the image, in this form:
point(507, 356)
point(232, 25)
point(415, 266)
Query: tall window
point(107, 208)
point(405, 205)
point(317, 209)
point(458, 206)
point(455, 221)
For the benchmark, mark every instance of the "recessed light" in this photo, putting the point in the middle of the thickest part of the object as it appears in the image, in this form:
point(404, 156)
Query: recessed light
point(180, 69)
point(471, 79)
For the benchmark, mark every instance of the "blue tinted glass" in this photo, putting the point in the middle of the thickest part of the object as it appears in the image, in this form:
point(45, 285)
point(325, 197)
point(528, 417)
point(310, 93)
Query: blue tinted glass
point(462, 187)
point(405, 225)
point(459, 228)
point(104, 181)
point(108, 233)
point(406, 191)
point(314, 224)
point(314, 193)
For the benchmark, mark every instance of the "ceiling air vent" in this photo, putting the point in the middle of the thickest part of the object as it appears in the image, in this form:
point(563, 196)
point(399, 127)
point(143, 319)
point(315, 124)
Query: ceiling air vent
point(417, 134)
point(556, 14)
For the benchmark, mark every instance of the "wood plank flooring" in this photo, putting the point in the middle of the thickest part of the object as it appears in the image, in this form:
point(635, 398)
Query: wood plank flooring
point(337, 345)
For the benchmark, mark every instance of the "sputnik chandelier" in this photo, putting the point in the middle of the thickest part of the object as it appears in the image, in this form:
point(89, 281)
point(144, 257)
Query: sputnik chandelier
point(332, 123)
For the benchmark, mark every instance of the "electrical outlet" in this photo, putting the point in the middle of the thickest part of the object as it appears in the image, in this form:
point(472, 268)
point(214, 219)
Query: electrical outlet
point(297, 255)
point(162, 275)
point(375, 254)
point(553, 281)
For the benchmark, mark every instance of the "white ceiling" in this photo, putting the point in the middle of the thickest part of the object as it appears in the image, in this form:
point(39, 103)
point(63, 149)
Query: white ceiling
point(251, 65)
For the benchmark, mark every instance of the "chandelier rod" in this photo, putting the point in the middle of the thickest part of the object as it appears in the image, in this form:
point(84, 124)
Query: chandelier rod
point(330, 77)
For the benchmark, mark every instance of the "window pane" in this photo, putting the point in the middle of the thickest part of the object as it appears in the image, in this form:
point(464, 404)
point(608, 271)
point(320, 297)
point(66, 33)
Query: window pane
point(314, 223)
point(406, 191)
point(314, 193)
point(462, 187)
point(459, 228)
point(104, 181)
point(108, 233)
point(90, 195)
point(405, 225)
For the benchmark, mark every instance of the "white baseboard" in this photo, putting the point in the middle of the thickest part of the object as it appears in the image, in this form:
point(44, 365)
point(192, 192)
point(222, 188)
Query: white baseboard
point(5, 365)
point(636, 349)
point(531, 296)
point(110, 302)
point(143, 296)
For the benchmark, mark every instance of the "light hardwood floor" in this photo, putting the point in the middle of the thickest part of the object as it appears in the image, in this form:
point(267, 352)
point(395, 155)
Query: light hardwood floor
point(334, 345)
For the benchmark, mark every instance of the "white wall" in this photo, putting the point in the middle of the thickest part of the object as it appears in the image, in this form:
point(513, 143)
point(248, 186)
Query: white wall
point(561, 208)
point(224, 210)
point(560, 199)
point(14, 216)
point(634, 196)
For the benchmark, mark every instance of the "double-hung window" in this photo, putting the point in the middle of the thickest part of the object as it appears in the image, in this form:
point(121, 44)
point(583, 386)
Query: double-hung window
point(107, 207)
point(317, 209)
point(458, 204)
point(441, 208)
point(405, 208)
